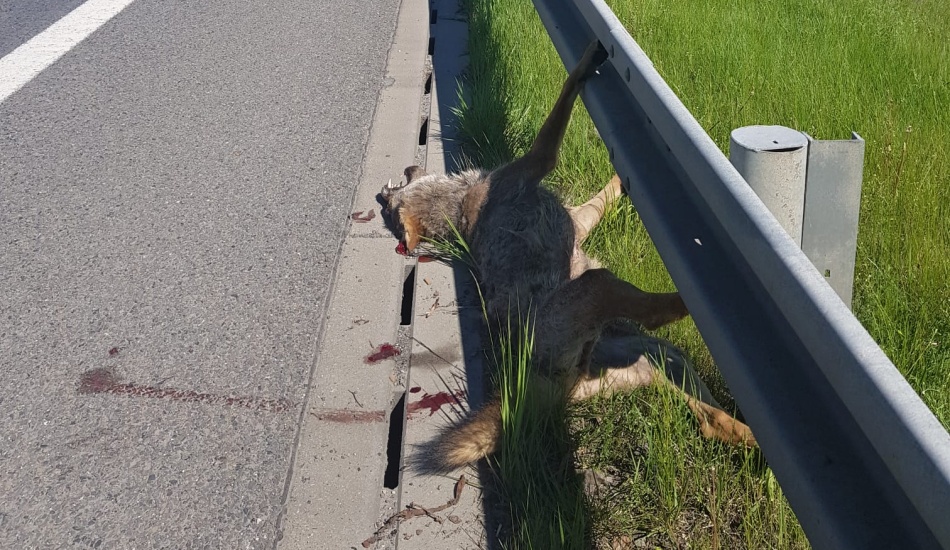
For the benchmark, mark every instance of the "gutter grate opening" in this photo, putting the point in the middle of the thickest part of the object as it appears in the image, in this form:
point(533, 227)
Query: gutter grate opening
point(408, 293)
point(433, 17)
point(428, 86)
point(394, 444)
point(424, 131)
point(431, 45)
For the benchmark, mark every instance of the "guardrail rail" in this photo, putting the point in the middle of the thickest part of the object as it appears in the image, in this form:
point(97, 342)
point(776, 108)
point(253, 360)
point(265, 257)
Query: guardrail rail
point(861, 459)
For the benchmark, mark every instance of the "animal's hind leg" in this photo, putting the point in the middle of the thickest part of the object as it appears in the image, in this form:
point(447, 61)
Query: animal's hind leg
point(714, 423)
point(598, 296)
point(589, 214)
point(576, 314)
point(603, 297)
point(542, 157)
point(640, 373)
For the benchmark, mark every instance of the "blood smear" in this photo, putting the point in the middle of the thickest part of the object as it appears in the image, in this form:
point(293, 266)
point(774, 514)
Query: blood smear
point(384, 351)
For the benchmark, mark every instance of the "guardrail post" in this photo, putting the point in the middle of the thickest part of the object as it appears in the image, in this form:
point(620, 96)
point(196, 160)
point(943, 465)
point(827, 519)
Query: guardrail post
point(812, 187)
point(773, 160)
point(832, 207)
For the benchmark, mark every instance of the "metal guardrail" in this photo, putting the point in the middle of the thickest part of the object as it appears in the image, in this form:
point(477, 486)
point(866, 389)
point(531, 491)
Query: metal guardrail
point(861, 459)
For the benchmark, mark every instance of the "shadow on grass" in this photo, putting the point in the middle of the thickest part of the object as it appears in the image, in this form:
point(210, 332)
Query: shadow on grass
point(532, 495)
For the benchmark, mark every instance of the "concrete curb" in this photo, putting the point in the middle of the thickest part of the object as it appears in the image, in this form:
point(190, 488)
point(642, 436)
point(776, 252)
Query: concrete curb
point(445, 370)
point(365, 415)
point(341, 483)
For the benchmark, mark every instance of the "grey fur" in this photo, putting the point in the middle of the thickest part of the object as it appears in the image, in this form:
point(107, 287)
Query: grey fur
point(437, 200)
point(533, 277)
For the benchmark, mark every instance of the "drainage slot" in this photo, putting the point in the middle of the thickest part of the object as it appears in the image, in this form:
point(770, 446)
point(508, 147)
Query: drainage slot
point(408, 293)
point(394, 444)
point(428, 86)
point(433, 17)
point(424, 131)
point(431, 45)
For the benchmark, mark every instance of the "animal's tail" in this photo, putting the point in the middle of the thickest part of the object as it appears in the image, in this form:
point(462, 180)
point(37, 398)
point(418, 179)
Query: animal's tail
point(465, 442)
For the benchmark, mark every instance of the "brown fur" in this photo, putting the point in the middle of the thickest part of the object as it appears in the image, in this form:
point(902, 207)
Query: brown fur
point(532, 273)
point(466, 442)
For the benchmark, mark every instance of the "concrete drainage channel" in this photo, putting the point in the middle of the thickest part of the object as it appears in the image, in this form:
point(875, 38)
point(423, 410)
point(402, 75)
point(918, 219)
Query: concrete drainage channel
point(392, 364)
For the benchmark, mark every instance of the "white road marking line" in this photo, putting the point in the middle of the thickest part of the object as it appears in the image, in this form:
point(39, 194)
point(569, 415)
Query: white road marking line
point(30, 58)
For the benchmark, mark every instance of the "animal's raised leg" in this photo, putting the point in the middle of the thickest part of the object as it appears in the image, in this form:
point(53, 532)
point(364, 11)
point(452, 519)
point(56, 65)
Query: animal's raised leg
point(542, 157)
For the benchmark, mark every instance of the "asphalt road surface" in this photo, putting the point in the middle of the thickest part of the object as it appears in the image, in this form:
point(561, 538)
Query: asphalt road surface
point(173, 192)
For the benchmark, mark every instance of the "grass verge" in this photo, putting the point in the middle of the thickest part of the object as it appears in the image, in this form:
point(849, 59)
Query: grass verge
point(828, 67)
point(825, 67)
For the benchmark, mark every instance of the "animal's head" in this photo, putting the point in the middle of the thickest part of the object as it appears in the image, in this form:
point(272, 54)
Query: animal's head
point(399, 208)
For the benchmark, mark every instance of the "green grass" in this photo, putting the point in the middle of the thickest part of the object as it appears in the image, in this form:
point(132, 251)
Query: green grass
point(544, 497)
point(828, 67)
point(671, 488)
point(825, 67)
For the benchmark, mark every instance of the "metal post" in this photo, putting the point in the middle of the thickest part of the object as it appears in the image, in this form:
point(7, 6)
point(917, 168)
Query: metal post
point(773, 160)
point(813, 188)
point(832, 207)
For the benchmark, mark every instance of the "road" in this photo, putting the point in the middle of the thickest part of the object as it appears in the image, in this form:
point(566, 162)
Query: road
point(173, 195)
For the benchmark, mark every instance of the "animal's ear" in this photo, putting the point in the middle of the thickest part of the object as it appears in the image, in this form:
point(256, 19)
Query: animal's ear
point(412, 230)
point(413, 172)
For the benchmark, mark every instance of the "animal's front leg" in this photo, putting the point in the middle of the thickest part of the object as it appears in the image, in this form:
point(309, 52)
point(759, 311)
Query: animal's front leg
point(589, 214)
